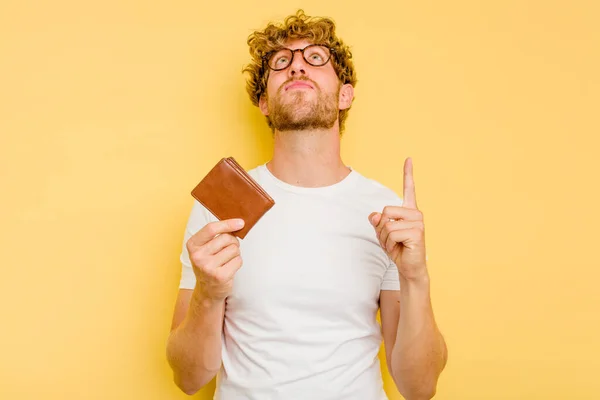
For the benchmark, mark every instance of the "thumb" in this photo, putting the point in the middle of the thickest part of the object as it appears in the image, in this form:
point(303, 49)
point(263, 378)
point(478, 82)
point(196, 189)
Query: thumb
point(374, 218)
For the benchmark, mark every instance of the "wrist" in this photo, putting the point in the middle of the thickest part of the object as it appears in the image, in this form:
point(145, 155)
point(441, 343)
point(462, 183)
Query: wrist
point(201, 299)
point(202, 310)
point(418, 283)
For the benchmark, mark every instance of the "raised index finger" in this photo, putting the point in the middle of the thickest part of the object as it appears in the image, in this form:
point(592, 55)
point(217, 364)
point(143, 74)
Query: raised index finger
point(410, 197)
point(212, 229)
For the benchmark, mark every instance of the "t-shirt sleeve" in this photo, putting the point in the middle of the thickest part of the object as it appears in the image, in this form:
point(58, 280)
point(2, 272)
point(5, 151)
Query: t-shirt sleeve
point(198, 218)
point(391, 280)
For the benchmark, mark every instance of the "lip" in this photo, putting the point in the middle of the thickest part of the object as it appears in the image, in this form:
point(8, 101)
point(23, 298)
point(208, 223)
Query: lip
point(298, 84)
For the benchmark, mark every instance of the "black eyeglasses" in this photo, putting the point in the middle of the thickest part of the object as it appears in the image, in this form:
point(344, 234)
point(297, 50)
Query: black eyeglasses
point(316, 55)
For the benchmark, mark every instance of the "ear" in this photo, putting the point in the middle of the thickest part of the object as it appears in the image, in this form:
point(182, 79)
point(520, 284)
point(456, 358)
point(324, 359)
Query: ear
point(346, 96)
point(262, 104)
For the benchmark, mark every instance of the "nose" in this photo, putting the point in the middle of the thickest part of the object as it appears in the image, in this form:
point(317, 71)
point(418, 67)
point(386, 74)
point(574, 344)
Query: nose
point(298, 65)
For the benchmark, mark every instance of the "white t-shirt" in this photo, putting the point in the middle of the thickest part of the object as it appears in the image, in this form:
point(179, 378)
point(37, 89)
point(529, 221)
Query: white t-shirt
point(301, 322)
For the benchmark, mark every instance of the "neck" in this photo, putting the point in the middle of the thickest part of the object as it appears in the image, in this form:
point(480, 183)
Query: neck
point(308, 158)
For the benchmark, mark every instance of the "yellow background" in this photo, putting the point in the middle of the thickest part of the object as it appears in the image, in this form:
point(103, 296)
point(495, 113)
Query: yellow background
point(111, 112)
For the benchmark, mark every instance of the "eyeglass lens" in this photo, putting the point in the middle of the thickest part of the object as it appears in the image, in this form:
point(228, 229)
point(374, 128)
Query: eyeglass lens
point(315, 55)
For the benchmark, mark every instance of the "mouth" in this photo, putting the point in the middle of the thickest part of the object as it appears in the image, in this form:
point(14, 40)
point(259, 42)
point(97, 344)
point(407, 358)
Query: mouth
point(298, 85)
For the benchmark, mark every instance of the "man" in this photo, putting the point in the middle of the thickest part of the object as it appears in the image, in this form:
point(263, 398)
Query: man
point(298, 320)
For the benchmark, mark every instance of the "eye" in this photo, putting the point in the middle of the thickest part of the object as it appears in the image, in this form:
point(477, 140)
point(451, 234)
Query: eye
point(317, 55)
point(281, 60)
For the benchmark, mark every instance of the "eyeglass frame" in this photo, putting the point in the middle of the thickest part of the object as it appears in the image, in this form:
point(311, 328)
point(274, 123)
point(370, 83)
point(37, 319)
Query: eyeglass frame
point(266, 57)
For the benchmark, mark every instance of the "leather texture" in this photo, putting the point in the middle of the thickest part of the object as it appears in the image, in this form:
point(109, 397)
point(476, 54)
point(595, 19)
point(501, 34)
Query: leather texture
point(227, 191)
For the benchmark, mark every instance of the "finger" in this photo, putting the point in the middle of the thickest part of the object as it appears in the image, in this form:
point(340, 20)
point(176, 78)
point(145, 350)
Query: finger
point(381, 220)
point(213, 229)
point(374, 218)
point(410, 197)
point(209, 264)
point(224, 256)
point(397, 212)
point(406, 237)
point(228, 270)
point(218, 243)
point(395, 226)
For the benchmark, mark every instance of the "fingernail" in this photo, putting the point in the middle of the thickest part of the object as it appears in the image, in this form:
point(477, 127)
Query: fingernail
point(373, 218)
point(239, 223)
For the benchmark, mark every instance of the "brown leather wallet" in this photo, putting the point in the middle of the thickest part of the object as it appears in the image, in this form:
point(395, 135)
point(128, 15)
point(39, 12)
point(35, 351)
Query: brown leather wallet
point(227, 191)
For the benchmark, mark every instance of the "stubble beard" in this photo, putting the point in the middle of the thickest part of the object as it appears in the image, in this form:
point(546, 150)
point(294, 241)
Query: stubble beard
point(297, 111)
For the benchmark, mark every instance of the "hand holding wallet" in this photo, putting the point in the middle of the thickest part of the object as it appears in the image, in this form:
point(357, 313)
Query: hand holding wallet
point(227, 191)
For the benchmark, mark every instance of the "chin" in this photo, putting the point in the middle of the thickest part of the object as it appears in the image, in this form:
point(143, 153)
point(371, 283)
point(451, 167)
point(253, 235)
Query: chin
point(300, 114)
point(300, 94)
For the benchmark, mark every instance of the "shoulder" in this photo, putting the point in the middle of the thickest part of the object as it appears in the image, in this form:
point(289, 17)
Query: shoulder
point(255, 172)
point(375, 192)
point(198, 217)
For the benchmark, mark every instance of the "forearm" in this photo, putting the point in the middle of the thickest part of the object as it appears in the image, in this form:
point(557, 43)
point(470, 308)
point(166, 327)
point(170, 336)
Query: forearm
point(419, 352)
point(194, 347)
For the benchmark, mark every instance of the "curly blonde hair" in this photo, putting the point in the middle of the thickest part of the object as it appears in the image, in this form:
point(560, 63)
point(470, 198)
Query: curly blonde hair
point(299, 26)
